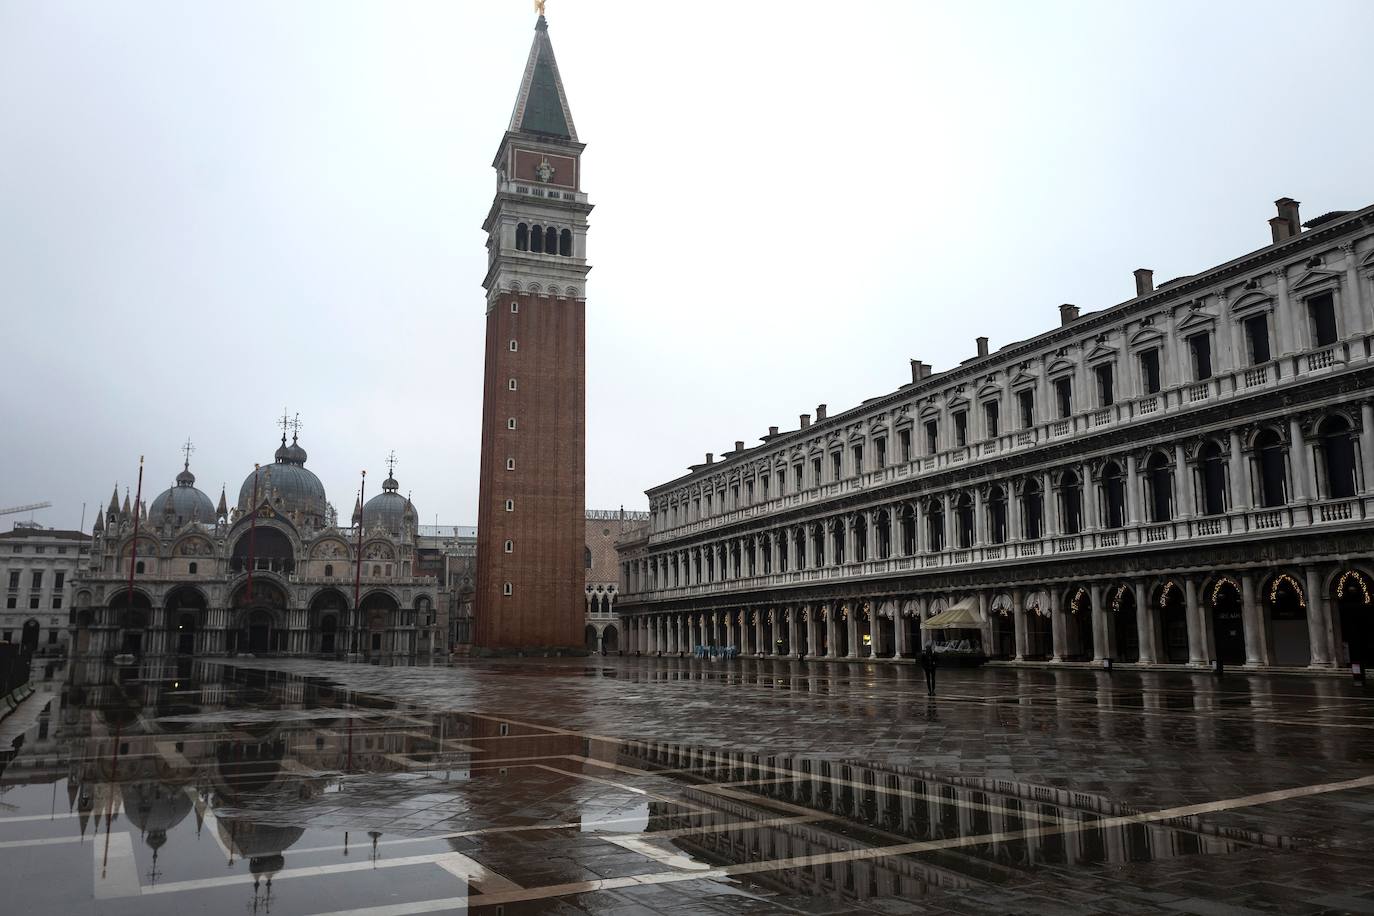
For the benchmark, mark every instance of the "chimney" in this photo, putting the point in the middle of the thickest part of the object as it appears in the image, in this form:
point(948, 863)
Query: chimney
point(710, 458)
point(1278, 227)
point(772, 431)
point(916, 370)
point(1144, 281)
point(1067, 314)
point(982, 346)
point(820, 412)
point(805, 420)
point(1288, 210)
point(739, 445)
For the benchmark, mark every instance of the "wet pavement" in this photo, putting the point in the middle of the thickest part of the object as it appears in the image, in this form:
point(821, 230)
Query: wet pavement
point(689, 786)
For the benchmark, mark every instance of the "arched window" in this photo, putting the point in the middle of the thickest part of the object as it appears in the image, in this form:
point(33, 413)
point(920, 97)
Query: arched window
point(1338, 458)
point(551, 240)
point(963, 520)
point(1159, 480)
point(997, 515)
point(138, 567)
point(1212, 471)
point(1114, 491)
point(522, 237)
point(191, 567)
point(328, 571)
point(1273, 478)
point(884, 523)
point(908, 522)
point(1033, 511)
point(565, 243)
point(935, 527)
point(837, 537)
point(537, 239)
point(587, 557)
point(860, 539)
point(1070, 503)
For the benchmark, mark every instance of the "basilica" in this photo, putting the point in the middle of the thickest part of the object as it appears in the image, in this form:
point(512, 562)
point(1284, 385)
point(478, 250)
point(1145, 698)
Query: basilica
point(276, 573)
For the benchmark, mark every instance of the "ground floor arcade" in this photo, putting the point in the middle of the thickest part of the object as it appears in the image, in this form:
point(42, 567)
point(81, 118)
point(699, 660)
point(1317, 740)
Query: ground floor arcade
point(1294, 615)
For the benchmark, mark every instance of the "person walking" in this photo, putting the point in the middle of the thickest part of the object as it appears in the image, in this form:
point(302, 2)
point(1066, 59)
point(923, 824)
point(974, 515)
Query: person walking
point(928, 665)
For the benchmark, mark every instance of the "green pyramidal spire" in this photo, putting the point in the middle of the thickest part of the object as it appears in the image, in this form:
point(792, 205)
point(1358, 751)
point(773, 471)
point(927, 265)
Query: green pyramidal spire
point(542, 106)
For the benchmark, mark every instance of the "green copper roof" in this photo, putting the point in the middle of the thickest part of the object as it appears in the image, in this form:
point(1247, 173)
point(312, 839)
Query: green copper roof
point(541, 107)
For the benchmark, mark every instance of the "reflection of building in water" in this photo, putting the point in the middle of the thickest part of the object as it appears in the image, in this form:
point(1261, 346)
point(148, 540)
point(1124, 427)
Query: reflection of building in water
point(987, 830)
point(275, 574)
point(196, 743)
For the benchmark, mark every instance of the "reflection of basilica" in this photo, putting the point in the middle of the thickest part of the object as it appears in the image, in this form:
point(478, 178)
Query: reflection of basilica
point(276, 574)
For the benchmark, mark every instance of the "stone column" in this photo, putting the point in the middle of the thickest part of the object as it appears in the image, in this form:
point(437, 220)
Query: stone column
point(812, 647)
point(830, 650)
point(1367, 447)
point(1256, 639)
point(793, 644)
point(1183, 485)
point(1239, 489)
point(980, 522)
point(899, 647)
point(947, 505)
point(1018, 622)
point(1319, 630)
point(1059, 624)
point(1196, 646)
point(1102, 635)
point(871, 549)
point(1133, 502)
point(1287, 320)
point(758, 633)
point(1145, 628)
point(852, 631)
point(1090, 520)
point(875, 628)
point(1297, 460)
point(1355, 322)
point(1049, 507)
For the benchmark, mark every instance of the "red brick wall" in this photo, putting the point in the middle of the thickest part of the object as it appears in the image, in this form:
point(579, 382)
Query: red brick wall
point(549, 480)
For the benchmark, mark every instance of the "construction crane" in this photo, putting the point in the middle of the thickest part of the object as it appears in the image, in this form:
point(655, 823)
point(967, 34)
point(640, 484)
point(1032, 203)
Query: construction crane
point(14, 510)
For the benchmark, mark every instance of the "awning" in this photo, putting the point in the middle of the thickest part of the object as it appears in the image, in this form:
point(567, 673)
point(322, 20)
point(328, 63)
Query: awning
point(961, 616)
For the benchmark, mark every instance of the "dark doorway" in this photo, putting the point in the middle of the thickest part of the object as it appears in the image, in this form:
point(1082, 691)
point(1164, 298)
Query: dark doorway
point(1228, 627)
point(1173, 614)
point(1039, 635)
point(1123, 611)
point(29, 639)
point(132, 643)
point(186, 634)
point(329, 629)
point(376, 642)
point(259, 631)
point(1003, 635)
point(1354, 601)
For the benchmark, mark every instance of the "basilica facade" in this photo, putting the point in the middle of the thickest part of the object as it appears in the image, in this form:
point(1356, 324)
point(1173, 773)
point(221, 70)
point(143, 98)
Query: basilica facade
point(274, 574)
point(1186, 477)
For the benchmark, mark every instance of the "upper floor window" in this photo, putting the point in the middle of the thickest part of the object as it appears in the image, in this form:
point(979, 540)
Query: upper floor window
point(1322, 310)
point(904, 443)
point(991, 417)
point(749, 493)
point(1149, 371)
point(932, 437)
point(816, 471)
point(961, 429)
point(59, 577)
point(14, 578)
point(1106, 395)
point(1200, 346)
point(858, 452)
point(836, 465)
point(1063, 395)
point(522, 237)
point(38, 578)
point(1272, 485)
point(880, 450)
point(763, 485)
point(514, 346)
point(1025, 405)
point(1257, 338)
point(565, 243)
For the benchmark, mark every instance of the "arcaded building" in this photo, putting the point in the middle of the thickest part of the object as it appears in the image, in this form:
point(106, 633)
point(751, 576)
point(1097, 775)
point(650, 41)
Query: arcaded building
point(1185, 477)
point(276, 574)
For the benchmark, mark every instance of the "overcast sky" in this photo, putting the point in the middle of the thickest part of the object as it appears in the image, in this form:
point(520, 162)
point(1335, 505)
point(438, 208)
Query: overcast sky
point(209, 212)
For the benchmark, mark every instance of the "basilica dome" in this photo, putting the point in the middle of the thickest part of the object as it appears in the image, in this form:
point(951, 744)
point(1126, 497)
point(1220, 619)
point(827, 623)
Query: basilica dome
point(390, 510)
point(183, 502)
point(287, 484)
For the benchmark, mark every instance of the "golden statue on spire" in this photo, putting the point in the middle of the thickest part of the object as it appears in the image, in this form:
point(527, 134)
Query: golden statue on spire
point(539, 6)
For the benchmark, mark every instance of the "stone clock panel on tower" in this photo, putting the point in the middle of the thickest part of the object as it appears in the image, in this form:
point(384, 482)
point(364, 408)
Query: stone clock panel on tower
point(534, 167)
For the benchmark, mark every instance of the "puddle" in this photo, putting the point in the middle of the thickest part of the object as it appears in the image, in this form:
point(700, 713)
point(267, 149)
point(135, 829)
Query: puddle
point(241, 788)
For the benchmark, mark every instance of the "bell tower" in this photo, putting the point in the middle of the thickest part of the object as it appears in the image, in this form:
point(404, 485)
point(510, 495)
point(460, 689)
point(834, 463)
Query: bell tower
point(530, 516)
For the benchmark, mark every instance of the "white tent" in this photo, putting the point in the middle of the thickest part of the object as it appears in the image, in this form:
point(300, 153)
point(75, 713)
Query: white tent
point(961, 616)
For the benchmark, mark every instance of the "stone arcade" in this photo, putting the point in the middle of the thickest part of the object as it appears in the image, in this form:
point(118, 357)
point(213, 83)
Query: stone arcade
point(1186, 477)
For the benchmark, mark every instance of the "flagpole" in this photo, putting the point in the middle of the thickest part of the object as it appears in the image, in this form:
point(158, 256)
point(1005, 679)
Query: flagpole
point(133, 550)
point(358, 568)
